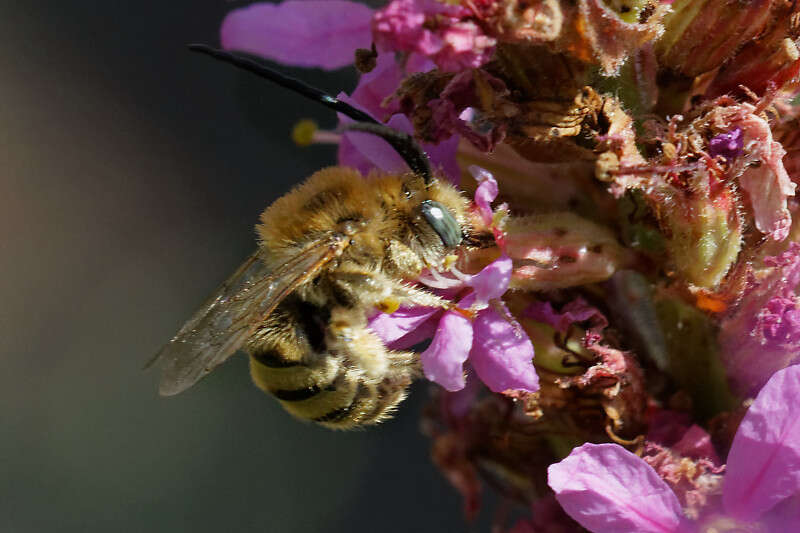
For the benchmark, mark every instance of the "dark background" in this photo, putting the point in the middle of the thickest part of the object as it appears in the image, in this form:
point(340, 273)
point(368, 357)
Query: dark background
point(131, 175)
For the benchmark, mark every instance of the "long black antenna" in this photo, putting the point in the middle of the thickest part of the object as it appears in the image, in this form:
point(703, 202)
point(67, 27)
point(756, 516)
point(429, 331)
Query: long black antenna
point(411, 152)
point(405, 145)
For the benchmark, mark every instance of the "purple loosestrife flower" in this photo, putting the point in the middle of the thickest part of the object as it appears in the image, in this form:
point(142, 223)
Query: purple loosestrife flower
point(648, 249)
point(608, 489)
point(480, 329)
point(326, 33)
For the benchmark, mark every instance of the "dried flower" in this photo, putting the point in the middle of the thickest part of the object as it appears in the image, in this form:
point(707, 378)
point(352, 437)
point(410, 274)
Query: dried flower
point(766, 63)
point(701, 34)
point(441, 105)
point(591, 31)
point(760, 172)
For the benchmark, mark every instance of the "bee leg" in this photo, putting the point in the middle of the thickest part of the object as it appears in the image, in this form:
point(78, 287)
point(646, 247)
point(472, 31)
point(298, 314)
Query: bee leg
point(404, 259)
point(411, 295)
point(387, 294)
point(364, 352)
point(360, 287)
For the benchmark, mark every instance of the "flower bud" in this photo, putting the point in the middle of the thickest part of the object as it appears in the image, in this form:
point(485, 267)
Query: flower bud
point(603, 33)
point(559, 250)
point(700, 35)
point(704, 235)
point(758, 66)
point(771, 59)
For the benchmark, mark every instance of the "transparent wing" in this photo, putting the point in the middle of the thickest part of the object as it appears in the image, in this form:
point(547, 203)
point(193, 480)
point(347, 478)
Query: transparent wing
point(232, 313)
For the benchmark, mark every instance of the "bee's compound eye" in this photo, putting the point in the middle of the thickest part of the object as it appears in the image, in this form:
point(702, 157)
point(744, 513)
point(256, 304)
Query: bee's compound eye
point(442, 223)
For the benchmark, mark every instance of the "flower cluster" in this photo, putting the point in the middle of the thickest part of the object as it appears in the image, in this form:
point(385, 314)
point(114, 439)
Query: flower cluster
point(609, 489)
point(619, 356)
point(445, 33)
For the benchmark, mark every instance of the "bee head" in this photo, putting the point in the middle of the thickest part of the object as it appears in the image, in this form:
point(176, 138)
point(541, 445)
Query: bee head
point(437, 216)
point(436, 208)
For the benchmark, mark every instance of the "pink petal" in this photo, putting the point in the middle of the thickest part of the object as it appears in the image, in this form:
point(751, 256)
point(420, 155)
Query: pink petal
point(423, 332)
point(607, 489)
point(312, 33)
point(434, 29)
point(391, 327)
point(348, 155)
point(502, 354)
point(443, 158)
point(764, 461)
point(783, 517)
point(365, 151)
point(485, 193)
point(418, 63)
point(443, 361)
point(492, 281)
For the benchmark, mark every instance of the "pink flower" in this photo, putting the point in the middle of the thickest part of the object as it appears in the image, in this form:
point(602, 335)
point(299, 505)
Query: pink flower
point(762, 335)
point(608, 489)
point(326, 33)
point(443, 32)
point(307, 33)
point(480, 329)
point(497, 347)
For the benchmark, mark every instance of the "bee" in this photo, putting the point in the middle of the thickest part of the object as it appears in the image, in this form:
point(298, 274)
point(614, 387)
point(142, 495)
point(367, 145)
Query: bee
point(331, 252)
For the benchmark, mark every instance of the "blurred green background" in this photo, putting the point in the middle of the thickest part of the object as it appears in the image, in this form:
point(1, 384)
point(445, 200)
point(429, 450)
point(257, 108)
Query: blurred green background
point(131, 175)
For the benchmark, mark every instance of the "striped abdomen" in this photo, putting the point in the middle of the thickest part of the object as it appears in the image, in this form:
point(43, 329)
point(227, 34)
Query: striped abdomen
point(289, 359)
